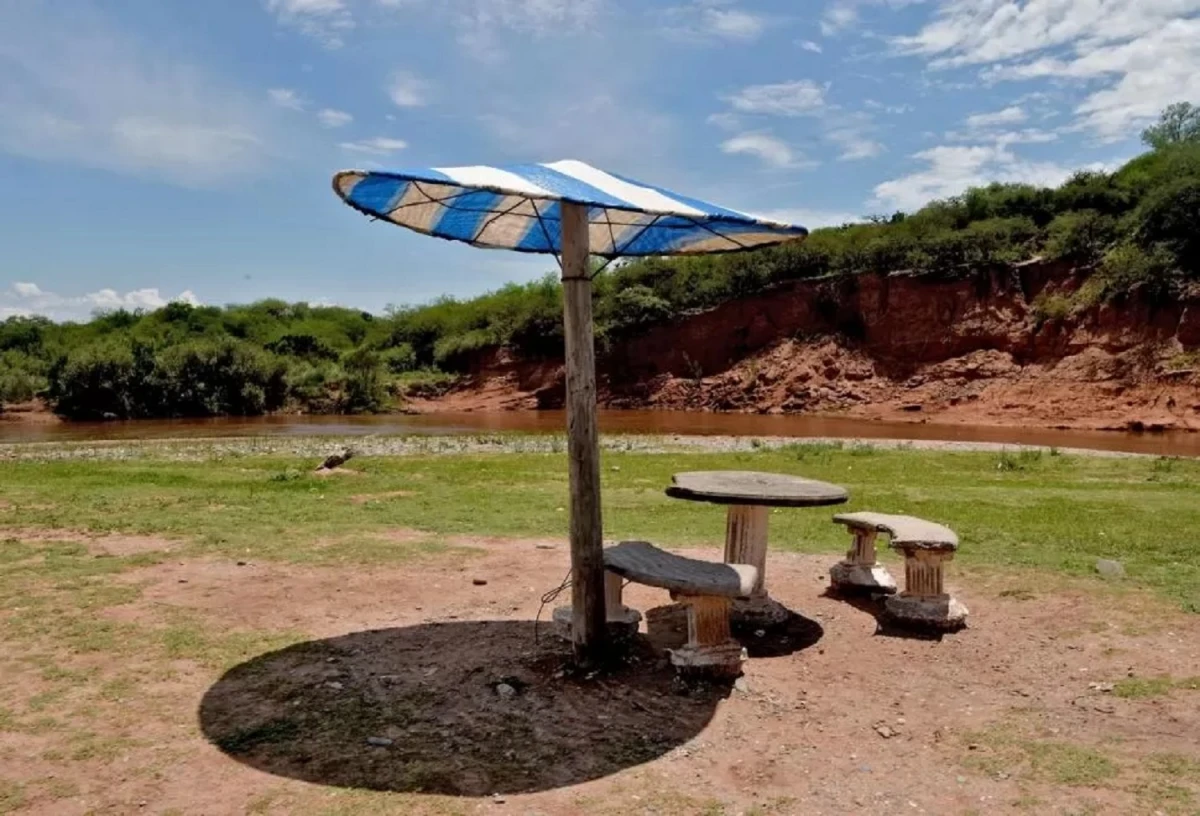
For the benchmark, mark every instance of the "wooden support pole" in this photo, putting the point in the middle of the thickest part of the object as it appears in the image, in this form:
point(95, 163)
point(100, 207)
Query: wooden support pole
point(583, 445)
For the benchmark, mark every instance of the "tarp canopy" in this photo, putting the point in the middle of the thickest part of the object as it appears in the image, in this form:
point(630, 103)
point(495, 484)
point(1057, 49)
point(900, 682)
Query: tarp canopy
point(517, 207)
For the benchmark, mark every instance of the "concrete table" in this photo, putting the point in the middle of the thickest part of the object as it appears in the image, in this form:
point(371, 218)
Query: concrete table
point(749, 496)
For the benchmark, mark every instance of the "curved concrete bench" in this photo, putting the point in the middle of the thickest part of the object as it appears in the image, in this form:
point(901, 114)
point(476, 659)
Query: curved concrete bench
point(926, 545)
point(705, 588)
point(643, 563)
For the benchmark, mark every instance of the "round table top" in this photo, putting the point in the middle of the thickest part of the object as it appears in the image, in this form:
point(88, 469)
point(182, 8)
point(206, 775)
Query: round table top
point(752, 488)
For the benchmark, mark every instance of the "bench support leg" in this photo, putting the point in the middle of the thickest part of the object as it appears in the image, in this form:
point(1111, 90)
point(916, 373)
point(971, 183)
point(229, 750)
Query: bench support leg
point(924, 602)
point(746, 543)
point(711, 649)
point(621, 621)
point(860, 570)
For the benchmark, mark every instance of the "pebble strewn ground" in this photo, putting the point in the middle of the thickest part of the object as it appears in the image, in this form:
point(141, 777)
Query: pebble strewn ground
point(184, 450)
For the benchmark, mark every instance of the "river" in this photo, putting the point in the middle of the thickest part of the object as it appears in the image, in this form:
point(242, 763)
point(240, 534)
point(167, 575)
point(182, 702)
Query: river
point(1172, 443)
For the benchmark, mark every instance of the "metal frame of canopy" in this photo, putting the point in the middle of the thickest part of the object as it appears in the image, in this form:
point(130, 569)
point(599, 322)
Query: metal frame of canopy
point(420, 200)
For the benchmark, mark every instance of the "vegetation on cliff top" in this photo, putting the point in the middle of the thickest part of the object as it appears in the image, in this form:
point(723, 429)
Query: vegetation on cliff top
point(1137, 228)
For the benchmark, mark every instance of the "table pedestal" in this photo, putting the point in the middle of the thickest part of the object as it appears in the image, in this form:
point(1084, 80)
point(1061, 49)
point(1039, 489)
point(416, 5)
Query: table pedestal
point(746, 543)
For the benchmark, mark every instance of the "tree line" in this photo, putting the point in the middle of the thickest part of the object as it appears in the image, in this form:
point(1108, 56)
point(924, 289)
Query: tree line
point(1137, 228)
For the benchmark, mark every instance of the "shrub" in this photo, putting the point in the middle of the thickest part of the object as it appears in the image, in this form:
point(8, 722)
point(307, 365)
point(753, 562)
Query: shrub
point(1081, 236)
point(1051, 307)
point(1127, 266)
point(20, 377)
point(365, 388)
point(635, 307)
point(1170, 217)
point(399, 359)
point(215, 378)
point(97, 382)
point(302, 345)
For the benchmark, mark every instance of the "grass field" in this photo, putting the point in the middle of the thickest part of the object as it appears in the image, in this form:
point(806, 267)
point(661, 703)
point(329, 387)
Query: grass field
point(1026, 509)
point(100, 667)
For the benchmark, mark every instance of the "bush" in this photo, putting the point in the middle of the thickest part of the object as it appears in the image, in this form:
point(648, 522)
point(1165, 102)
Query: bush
point(365, 388)
point(215, 378)
point(399, 359)
point(634, 307)
point(20, 377)
point(1170, 217)
point(1051, 307)
point(1081, 236)
point(1128, 266)
point(98, 382)
point(302, 345)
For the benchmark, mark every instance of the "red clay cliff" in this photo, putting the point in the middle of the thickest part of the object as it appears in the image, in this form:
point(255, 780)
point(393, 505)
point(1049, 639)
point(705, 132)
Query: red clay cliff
point(965, 350)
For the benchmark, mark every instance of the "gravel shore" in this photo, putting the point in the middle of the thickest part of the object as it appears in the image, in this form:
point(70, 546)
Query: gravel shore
point(425, 445)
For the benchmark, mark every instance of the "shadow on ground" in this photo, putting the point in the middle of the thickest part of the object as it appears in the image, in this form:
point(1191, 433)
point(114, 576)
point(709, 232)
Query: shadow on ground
point(872, 604)
point(795, 634)
point(466, 709)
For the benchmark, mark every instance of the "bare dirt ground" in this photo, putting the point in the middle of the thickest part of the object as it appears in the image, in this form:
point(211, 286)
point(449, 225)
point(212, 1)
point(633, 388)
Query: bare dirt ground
point(422, 689)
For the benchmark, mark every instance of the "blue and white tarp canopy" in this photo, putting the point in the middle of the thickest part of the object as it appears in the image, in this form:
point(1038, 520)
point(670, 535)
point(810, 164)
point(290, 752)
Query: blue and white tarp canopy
point(517, 207)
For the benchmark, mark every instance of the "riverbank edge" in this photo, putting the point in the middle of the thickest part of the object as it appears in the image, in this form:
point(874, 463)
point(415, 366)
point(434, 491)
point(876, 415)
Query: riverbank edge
point(208, 448)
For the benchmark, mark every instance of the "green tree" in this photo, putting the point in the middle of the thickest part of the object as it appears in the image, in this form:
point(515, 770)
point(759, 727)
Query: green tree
point(1178, 123)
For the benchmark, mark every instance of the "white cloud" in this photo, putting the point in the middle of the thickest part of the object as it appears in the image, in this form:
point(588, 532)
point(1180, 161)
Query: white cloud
point(854, 144)
point(1009, 116)
point(794, 98)
point(76, 90)
point(837, 18)
point(378, 146)
point(770, 150)
point(331, 118)
point(287, 98)
point(326, 21)
point(725, 120)
point(708, 21)
point(25, 298)
point(951, 169)
point(893, 109)
point(407, 90)
point(482, 23)
point(1132, 57)
point(809, 45)
point(732, 24)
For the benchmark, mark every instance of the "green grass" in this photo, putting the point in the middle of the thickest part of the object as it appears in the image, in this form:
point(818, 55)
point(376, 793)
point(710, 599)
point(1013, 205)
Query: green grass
point(1021, 510)
point(1004, 749)
point(1144, 687)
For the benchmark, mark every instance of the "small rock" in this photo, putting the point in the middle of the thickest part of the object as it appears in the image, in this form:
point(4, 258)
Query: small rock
point(505, 690)
point(741, 685)
point(241, 563)
point(547, 546)
point(1101, 687)
point(973, 747)
point(1110, 569)
point(884, 731)
point(335, 685)
point(479, 581)
point(960, 780)
point(379, 742)
point(497, 799)
point(760, 632)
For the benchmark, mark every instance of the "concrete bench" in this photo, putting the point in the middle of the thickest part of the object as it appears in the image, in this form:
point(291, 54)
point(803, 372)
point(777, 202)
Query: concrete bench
point(705, 588)
point(927, 547)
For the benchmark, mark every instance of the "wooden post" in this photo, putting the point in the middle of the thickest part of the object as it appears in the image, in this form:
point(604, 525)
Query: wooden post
point(583, 445)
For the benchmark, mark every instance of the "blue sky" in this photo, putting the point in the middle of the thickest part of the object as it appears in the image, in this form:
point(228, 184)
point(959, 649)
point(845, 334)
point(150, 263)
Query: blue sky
point(154, 149)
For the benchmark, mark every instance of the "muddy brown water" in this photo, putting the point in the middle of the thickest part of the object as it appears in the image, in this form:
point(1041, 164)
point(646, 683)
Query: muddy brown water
point(1171, 443)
